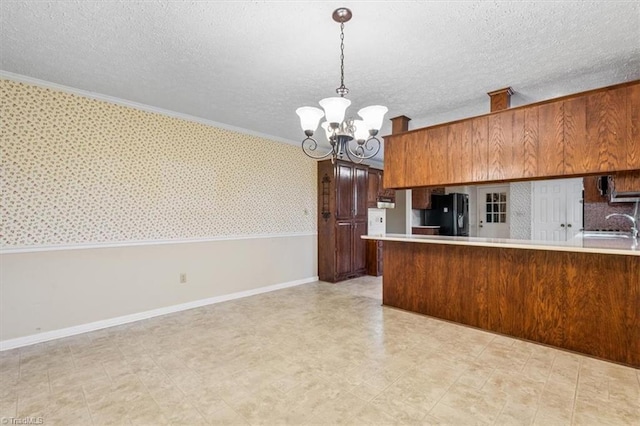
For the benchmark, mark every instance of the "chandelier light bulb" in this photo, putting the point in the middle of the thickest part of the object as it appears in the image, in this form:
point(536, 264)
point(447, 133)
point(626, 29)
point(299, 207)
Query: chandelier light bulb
point(327, 130)
point(309, 118)
point(335, 108)
point(373, 116)
point(361, 132)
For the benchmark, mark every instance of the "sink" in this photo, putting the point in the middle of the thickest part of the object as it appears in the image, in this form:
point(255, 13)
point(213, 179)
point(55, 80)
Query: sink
point(606, 234)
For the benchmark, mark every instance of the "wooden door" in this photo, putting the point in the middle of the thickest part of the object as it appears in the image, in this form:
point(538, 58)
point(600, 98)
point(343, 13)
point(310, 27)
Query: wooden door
point(524, 149)
point(627, 181)
point(437, 157)
point(550, 150)
point(344, 191)
point(592, 190)
point(385, 192)
point(633, 127)
point(480, 149)
point(374, 187)
point(344, 249)
point(459, 142)
point(595, 132)
point(360, 184)
point(421, 198)
point(359, 247)
point(500, 145)
point(418, 169)
point(395, 156)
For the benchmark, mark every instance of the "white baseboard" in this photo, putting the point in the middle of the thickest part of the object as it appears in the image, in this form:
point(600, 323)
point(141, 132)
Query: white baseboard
point(97, 325)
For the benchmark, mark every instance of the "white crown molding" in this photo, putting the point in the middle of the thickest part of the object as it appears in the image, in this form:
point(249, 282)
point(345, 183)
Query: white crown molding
point(150, 242)
point(98, 325)
point(143, 107)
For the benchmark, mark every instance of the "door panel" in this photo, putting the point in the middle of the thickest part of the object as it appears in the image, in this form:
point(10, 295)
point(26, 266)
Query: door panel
point(557, 209)
point(549, 211)
point(574, 206)
point(359, 246)
point(480, 148)
point(360, 174)
point(493, 212)
point(553, 128)
point(344, 191)
point(344, 248)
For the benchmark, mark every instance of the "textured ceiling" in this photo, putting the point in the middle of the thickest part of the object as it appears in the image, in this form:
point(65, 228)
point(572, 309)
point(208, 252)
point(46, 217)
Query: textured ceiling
point(250, 64)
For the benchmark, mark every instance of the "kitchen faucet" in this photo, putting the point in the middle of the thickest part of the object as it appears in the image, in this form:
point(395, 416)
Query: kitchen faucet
point(633, 219)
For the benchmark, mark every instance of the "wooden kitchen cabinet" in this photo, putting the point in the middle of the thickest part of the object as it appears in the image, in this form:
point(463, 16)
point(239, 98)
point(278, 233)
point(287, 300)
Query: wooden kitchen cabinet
point(500, 145)
point(374, 257)
point(576, 135)
point(591, 192)
point(376, 188)
point(459, 152)
point(513, 144)
point(395, 156)
point(595, 135)
point(625, 181)
point(342, 219)
point(480, 149)
point(421, 197)
point(550, 155)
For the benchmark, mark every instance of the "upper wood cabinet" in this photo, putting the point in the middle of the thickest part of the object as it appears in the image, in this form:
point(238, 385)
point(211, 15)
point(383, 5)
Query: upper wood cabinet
point(592, 193)
point(374, 183)
point(376, 188)
point(550, 153)
point(395, 167)
point(625, 182)
point(596, 132)
point(587, 133)
point(421, 197)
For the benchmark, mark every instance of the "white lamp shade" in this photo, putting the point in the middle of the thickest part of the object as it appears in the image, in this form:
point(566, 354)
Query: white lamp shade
point(362, 130)
point(309, 117)
point(373, 116)
point(334, 108)
point(327, 130)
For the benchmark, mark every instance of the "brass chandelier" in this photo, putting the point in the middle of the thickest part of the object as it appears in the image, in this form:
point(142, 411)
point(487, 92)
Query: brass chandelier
point(340, 131)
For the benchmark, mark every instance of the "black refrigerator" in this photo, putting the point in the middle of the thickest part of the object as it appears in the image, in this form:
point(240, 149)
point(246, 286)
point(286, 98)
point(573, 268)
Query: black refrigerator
point(450, 212)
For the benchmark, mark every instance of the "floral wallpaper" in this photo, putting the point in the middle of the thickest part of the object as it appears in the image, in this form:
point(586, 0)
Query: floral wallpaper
point(75, 170)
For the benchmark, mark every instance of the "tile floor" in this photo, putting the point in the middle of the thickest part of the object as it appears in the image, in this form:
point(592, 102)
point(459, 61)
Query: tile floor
point(318, 354)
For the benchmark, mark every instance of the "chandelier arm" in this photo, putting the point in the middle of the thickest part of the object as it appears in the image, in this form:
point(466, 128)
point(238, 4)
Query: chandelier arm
point(312, 147)
point(350, 153)
point(369, 148)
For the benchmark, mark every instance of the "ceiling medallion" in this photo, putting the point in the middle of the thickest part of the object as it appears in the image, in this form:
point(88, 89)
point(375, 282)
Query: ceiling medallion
point(340, 131)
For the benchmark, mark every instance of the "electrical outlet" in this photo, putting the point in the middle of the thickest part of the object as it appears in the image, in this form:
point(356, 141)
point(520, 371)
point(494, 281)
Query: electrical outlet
point(183, 278)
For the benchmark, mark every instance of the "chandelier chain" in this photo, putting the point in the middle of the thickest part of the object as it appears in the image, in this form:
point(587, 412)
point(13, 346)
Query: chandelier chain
point(342, 54)
point(342, 90)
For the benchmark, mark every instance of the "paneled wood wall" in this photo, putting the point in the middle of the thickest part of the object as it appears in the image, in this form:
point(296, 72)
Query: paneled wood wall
point(584, 302)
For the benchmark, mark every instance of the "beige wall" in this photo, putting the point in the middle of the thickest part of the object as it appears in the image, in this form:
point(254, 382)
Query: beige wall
point(50, 290)
point(81, 172)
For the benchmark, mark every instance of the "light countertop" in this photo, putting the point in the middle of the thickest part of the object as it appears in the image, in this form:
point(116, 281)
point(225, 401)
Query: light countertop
point(622, 246)
point(426, 226)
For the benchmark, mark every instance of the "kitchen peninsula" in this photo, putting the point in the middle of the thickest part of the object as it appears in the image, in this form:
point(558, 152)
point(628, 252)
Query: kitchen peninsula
point(582, 295)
